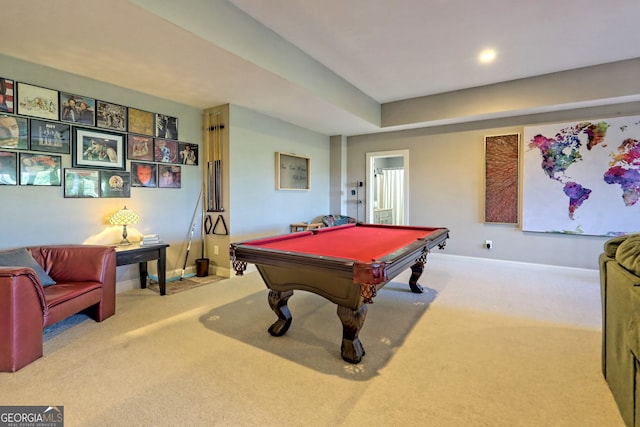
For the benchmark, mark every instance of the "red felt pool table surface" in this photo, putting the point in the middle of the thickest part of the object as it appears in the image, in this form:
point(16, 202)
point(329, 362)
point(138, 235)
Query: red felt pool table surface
point(363, 242)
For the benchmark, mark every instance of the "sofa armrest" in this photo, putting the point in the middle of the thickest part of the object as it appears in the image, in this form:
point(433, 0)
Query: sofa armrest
point(19, 288)
point(22, 309)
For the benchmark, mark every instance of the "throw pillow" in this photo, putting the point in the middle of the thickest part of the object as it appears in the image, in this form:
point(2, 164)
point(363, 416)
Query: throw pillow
point(22, 258)
point(628, 254)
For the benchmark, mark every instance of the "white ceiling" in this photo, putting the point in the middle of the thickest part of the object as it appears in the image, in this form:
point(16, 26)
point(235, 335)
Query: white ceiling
point(326, 65)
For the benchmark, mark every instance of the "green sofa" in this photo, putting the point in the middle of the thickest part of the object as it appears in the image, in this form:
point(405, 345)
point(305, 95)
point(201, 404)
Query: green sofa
point(620, 287)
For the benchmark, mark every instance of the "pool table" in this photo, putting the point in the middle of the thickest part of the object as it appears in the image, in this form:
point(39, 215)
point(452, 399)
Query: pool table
point(345, 264)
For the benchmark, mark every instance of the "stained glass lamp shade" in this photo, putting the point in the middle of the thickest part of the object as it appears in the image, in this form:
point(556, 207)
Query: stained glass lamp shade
point(124, 217)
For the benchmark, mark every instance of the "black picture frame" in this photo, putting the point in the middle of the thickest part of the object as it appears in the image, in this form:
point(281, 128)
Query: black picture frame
point(187, 154)
point(166, 127)
point(36, 101)
point(111, 116)
point(6, 95)
point(14, 132)
point(165, 150)
point(77, 109)
point(144, 174)
point(8, 168)
point(140, 147)
point(81, 183)
point(53, 137)
point(97, 149)
point(115, 184)
point(40, 169)
point(169, 176)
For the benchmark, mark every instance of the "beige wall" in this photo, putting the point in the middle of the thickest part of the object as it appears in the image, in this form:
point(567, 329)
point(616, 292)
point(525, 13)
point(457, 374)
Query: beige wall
point(447, 187)
point(41, 215)
point(446, 149)
point(446, 182)
point(257, 208)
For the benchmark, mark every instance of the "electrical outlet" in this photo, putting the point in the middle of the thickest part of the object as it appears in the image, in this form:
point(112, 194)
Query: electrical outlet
point(215, 250)
point(488, 244)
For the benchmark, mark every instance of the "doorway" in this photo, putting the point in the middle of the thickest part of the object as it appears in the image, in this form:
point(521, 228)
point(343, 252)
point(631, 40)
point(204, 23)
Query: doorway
point(388, 187)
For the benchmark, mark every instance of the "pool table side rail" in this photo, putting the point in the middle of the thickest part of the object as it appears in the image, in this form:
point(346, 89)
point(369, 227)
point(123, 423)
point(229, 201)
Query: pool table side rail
point(396, 262)
point(380, 270)
point(273, 257)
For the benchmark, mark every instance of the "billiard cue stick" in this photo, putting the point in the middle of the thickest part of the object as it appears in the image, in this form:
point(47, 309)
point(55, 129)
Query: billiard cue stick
point(210, 185)
point(211, 166)
point(193, 227)
point(217, 161)
point(216, 167)
point(216, 144)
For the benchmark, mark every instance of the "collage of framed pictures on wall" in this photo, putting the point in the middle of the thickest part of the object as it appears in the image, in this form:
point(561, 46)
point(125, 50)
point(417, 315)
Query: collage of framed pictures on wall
point(41, 127)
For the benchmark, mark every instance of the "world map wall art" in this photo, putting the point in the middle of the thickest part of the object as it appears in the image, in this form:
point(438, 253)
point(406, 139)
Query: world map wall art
point(582, 177)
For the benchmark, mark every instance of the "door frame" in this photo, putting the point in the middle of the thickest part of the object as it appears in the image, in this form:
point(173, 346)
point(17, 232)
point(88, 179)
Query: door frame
point(371, 158)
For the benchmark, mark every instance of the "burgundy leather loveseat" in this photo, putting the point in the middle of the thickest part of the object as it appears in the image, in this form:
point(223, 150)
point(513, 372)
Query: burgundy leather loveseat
point(78, 277)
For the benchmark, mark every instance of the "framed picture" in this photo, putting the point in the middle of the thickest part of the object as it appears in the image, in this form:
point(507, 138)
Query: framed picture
point(37, 101)
point(188, 153)
point(140, 121)
point(143, 175)
point(6, 95)
point(40, 169)
point(581, 177)
point(140, 147)
point(8, 168)
point(165, 151)
point(166, 127)
point(501, 154)
point(169, 176)
point(115, 183)
point(292, 172)
point(81, 183)
point(93, 148)
point(53, 137)
point(111, 116)
point(77, 109)
point(14, 132)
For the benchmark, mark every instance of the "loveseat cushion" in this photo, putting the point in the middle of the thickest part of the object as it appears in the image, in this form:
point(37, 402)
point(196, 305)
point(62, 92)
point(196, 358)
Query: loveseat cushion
point(628, 254)
point(22, 258)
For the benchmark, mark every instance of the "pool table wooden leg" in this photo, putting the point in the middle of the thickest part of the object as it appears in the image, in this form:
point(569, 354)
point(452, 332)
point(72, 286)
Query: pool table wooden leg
point(416, 272)
point(278, 302)
point(352, 321)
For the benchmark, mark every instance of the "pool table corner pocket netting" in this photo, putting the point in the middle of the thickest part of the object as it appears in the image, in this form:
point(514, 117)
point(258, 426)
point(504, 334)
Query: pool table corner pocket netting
point(345, 264)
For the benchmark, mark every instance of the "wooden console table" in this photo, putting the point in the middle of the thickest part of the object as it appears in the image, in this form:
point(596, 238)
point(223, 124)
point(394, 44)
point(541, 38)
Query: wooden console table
point(135, 253)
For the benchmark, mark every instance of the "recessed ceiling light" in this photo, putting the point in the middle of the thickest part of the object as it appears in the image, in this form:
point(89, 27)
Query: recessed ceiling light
point(487, 56)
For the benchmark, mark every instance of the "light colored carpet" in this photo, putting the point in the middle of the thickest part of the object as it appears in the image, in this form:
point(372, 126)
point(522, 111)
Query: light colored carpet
point(489, 344)
point(177, 285)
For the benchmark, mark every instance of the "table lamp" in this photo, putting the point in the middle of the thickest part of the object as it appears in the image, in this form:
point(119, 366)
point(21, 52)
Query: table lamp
point(124, 217)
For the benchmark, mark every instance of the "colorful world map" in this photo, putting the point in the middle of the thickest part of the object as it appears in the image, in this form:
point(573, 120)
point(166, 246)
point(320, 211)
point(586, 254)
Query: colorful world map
point(584, 160)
